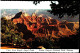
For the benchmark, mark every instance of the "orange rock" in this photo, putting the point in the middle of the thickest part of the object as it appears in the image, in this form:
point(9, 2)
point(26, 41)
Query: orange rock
point(39, 25)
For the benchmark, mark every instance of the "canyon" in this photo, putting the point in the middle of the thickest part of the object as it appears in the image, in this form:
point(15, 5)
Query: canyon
point(40, 26)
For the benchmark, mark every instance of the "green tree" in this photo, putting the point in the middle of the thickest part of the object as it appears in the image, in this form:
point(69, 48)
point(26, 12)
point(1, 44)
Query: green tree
point(9, 33)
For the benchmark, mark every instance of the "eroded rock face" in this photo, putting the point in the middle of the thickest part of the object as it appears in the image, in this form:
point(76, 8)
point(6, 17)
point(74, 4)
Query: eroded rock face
point(44, 27)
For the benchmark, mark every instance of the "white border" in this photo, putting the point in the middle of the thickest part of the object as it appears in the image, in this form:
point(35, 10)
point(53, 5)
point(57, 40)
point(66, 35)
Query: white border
point(24, 5)
point(39, 50)
point(0, 27)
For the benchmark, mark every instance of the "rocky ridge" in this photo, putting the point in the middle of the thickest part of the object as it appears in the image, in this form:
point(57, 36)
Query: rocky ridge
point(45, 27)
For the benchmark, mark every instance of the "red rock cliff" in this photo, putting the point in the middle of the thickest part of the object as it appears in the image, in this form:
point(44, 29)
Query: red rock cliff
point(45, 27)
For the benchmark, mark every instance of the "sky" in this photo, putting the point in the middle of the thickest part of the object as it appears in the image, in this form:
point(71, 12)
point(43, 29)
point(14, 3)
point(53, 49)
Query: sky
point(9, 13)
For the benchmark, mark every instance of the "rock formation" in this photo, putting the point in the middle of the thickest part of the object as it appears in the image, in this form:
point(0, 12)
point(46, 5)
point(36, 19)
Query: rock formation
point(44, 27)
